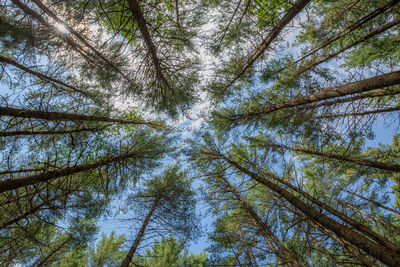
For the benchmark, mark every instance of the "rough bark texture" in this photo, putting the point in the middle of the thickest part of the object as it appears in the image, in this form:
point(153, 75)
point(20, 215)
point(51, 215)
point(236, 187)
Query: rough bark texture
point(78, 36)
point(369, 112)
point(303, 69)
point(17, 133)
point(376, 82)
point(61, 116)
point(354, 98)
point(385, 255)
point(288, 17)
point(360, 227)
point(40, 75)
point(265, 231)
point(388, 166)
point(139, 236)
point(18, 182)
point(138, 15)
point(349, 247)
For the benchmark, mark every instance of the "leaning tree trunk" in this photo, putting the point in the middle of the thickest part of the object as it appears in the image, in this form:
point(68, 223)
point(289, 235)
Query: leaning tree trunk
point(286, 19)
point(265, 231)
point(349, 247)
point(139, 236)
point(61, 116)
point(377, 82)
point(388, 166)
point(41, 75)
point(18, 182)
point(382, 253)
point(360, 227)
point(138, 15)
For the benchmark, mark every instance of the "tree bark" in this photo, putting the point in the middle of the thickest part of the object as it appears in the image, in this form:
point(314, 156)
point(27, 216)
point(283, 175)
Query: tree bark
point(351, 28)
point(383, 110)
point(15, 183)
point(41, 75)
point(366, 85)
point(78, 48)
point(265, 231)
point(138, 15)
point(384, 254)
point(78, 36)
point(61, 116)
point(307, 67)
point(32, 210)
point(388, 166)
point(139, 236)
point(16, 133)
point(354, 98)
point(288, 17)
point(349, 247)
point(360, 227)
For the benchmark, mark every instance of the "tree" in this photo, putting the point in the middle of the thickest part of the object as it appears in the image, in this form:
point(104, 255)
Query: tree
point(169, 203)
point(170, 252)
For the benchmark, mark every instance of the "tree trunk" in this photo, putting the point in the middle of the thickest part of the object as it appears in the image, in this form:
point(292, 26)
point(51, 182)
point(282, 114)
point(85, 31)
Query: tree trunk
point(351, 28)
point(369, 84)
point(349, 247)
point(61, 116)
point(16, 133)
point(388, 166)
point(385, 255)
point(383, 110)
point(78, 48)
point(307, 67)
point(265, 231)
point(41, 76)
point(32, 210)
point(78, 36)
point(139, 236)
point(360, 227)
point(15, 183)
point(286, 19)
point(354, 98)
point(138, 15)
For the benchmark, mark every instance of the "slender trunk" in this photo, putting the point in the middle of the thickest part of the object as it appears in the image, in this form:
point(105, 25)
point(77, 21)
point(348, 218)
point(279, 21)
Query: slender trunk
point(384, 254)
point(307, 67)
point(286, 19)
point(43, 262)
point(138, 15)
point(32, 210)
point(349, 247)
point(229, 24)
point(16, 133)
point(15, 183)
point(249, 254)
point(78, 48)
point(376, 203)
point(369, 84)
point(394, 227)
point(61, 116)
point(265, 231)
point(360, 227)
point(139, 236)
point(383, 110)
point(41, 75)
point(354, 98)
point(351, 28)
point(21, 170)
point(388, 166)
point(78, 36)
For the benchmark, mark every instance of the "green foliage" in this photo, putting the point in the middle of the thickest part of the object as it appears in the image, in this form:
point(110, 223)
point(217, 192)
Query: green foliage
point(171, 252)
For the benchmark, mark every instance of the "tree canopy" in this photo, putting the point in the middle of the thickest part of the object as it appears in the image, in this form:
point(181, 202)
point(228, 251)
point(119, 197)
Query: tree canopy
point(129, 129)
